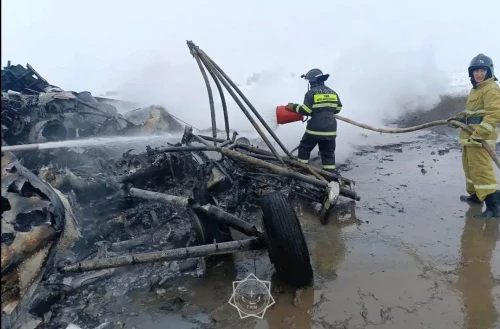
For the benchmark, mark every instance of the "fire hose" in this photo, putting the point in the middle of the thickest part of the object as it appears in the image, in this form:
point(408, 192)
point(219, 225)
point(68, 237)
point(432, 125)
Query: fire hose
point(449, 122)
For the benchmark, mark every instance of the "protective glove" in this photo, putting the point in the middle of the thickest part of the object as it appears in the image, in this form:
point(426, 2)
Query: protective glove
point(477, 136)
point(458, 117)
point(480, 132)
point(475, 141)
point(450, 124)
point(289, 107)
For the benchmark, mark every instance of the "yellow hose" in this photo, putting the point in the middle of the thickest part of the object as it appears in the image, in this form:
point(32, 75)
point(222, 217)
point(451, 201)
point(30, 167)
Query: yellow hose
point(452, 122)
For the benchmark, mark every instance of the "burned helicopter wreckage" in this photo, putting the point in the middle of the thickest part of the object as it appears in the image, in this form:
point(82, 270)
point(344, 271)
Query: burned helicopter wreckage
point(33, 111)
point(166, 208)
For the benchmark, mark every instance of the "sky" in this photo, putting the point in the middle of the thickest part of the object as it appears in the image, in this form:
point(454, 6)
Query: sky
point(381, 55)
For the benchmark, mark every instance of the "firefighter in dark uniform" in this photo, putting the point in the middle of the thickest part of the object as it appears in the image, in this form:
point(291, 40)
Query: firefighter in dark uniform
point(320, 104)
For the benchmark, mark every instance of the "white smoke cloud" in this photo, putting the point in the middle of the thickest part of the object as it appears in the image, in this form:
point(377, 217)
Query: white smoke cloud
point(383, 56)
point(374, 84)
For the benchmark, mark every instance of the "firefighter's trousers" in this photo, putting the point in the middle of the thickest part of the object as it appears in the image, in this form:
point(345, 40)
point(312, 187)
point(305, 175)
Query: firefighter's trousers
point(479, 173)
point(326, 149)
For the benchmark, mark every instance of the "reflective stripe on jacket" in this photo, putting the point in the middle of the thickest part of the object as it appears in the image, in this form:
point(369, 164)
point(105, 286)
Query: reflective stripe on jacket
point(482, 112)
point(320, 103)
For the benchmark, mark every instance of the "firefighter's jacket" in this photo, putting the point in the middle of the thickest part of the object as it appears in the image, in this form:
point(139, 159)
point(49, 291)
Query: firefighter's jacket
point(320, 103)
point(482, 113)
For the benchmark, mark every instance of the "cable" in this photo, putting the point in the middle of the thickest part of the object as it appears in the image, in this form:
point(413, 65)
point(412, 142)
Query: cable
point(183, 121)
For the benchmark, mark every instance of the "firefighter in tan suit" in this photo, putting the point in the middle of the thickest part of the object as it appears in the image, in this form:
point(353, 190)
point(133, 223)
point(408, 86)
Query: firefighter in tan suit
point(482, 113)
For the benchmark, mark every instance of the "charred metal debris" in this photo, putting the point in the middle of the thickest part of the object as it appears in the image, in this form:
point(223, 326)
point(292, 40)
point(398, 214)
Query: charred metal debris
point(33, 111)
point(167, 208)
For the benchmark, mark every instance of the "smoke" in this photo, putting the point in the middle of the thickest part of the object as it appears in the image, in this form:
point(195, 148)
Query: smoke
point(375, 83)
point(381, 55)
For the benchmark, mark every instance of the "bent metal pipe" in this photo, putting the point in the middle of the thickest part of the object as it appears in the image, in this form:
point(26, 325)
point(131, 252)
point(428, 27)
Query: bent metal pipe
point(212, 67)
point(167, 255)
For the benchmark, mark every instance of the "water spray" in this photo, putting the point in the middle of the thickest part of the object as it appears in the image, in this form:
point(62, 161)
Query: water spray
point(98, 142)
point(91, 142)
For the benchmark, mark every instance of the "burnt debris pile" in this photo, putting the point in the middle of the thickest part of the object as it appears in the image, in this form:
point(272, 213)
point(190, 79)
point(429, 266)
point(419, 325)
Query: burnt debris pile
point(33, 111)
point(75, 224)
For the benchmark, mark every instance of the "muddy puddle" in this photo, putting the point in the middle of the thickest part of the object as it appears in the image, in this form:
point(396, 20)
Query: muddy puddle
point(408, 255)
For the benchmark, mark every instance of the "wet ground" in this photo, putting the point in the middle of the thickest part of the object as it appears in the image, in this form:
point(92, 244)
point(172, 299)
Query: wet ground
point(408, 255)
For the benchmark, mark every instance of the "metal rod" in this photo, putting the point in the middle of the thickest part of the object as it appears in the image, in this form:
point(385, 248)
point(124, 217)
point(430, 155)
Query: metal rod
point(201, 140)
point(167, 255)
point(226, 143)
point(294, 163)
point(157, 196)
point(252, 108)
point(223, 101)
point(211, 139)
point(235, 134)
point(284, 171)
point(223, 170)
point(205, 141)
point(218, 140)
point(264, 157)
point(252, 121)
point(242, 107)
point(240, 104)
point(219, 214)
point(230, 220)
point(210, 96)
point(127, 244)
point(275, 168)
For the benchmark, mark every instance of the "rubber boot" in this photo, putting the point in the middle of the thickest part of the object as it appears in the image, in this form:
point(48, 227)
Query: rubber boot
point(470, 198)
point(492, 206)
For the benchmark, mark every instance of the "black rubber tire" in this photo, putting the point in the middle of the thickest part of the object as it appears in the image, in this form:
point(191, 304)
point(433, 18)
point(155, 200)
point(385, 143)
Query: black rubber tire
point(285, 240)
